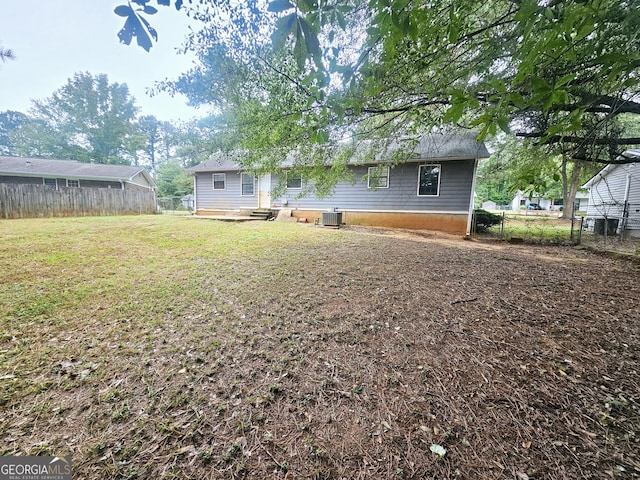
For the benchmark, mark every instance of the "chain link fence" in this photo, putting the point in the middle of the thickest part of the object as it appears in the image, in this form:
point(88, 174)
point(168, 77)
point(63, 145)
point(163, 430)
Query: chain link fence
point(529, 227)
point(616, 234)
point(176, 205)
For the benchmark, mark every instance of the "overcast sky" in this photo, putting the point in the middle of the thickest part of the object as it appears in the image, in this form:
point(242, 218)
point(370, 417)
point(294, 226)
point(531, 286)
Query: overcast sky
point(53, 39)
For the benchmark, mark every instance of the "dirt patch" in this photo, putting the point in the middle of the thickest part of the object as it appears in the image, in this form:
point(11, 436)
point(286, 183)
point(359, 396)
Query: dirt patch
point(369, 354)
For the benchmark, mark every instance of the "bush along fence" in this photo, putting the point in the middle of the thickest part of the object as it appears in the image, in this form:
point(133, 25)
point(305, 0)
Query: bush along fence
point(34, 201)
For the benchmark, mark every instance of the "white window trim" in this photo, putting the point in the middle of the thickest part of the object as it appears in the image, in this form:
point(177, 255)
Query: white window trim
point(293, 188)
point(378, 168)
point(439, 165)
point(213, 182)
point(72, 180)
point(253, 178)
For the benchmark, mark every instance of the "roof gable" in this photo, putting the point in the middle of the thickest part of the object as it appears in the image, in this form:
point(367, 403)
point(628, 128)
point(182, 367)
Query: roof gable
point(606, 171)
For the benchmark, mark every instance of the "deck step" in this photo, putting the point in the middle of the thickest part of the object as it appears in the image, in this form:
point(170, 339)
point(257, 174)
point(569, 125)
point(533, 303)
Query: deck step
point(264, 214)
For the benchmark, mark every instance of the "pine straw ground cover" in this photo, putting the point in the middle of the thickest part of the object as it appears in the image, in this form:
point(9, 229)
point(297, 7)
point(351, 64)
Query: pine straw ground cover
point(163, 347)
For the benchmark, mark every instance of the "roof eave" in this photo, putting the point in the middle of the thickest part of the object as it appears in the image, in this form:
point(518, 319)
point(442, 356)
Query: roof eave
point(67, 176)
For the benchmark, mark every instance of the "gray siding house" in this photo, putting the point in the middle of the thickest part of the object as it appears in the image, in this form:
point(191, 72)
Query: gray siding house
point(69, 173)
point(614, 198)
point(431, 188)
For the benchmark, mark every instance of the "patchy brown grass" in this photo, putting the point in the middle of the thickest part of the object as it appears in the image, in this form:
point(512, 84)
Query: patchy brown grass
point(162, 347)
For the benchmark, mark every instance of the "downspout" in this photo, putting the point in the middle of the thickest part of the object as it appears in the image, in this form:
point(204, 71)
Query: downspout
point(195, 193)
point(471, 201)
point(627, 188)
point(121, 185)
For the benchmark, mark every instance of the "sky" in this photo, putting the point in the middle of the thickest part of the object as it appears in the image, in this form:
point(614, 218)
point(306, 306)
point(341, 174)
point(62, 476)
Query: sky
point(53, 39)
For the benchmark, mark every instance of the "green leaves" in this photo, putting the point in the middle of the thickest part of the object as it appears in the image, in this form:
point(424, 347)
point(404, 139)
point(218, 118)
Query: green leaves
point(87, 119)
point(305, 38)
point(284, 27)
point(123, 10)
point(279, 6)
point(382, 67)
point(136, 25)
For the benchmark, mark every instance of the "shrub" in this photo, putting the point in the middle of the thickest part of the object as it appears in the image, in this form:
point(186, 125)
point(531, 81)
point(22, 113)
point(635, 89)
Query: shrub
point(484, 220)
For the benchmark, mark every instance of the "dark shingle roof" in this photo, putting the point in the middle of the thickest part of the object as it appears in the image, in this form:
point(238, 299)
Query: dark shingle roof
point(46, 167)
point(449, 146)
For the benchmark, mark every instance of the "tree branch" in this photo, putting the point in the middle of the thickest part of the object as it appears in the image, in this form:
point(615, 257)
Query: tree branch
point(582, 140)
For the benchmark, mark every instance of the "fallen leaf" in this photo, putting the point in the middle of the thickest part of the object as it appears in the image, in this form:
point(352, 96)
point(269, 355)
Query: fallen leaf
point(188, 448)
point(526, 444)
point(438, 449)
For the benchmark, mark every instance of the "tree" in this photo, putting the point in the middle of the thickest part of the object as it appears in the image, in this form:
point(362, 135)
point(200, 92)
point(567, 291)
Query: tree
point(149, 126)
point(10, 122)
point(558, 72)
point(540, 170)
point(88, 119)
point(6, 54)
point(173, 180)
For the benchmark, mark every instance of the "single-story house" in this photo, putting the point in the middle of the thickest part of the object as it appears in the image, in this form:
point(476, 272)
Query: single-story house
point(614, 198)
point(431, 189)
point(38, 187)
point(69, 173)
point(522, 201)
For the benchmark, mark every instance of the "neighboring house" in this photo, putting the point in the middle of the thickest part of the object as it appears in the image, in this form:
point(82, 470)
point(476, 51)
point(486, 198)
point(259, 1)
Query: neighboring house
point(489, 205)
point(614, 198)
point(522, 201)
point(188, 201)
point(36, 187)
point(431, 189)
point(69, 173)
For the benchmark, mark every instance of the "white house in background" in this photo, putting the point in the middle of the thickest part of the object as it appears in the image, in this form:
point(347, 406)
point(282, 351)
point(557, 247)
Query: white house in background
point(522, 200)
point(614, 198)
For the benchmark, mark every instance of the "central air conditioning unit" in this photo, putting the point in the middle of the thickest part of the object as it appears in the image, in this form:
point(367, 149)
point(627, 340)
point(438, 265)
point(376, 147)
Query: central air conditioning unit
point(332, 219)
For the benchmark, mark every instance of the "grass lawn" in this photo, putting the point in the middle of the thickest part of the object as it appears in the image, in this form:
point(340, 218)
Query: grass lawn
point(174, 347)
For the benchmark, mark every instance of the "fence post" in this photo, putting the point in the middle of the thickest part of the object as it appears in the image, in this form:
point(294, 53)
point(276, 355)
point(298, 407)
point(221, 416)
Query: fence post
point(580, 232)
point(573, 218)
point(625, 219)
point(502, 227)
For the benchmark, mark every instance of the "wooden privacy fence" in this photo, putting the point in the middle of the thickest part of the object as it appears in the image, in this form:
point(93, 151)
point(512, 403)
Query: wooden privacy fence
point(32, 201)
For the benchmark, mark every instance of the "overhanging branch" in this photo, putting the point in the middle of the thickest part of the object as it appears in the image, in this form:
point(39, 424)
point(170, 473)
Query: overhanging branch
point(582, 140)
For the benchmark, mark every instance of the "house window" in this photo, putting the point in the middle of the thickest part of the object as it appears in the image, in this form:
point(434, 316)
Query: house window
point(219, 181)
point(378, 177)
point(429, 180)
point(294, 180)
point(73, 183)
point(247, 184)
point(50, 182)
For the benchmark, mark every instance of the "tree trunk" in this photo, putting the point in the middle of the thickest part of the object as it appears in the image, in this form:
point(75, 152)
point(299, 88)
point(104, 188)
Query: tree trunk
point(570, 185)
